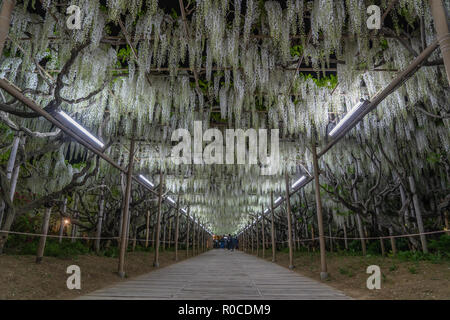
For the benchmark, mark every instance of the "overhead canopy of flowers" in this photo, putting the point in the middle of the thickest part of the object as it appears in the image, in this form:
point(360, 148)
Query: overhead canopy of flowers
point(138, 68)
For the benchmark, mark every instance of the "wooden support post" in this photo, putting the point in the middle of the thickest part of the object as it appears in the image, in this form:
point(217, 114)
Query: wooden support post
point(177, 226)
point(44, 232)
point(418, 212)
point(446, 225)
point(345, 235)
point(101, 208)
point(74, 230)
point(193, 235)
point(198, 236)
point(257, 236)
point(252, 238)
point(164, 236)
point(360, 226)
point(394, 247)
point(5, 20)
point(263, 230)
point(169, 234)
point(188, 222)
point(147, 228)
point(329, 235)
point(63, 220)
point(323, 263)
point(126, 207)
point(288, 212)
point(158, 220)
point(272, 228)
point(440, 17)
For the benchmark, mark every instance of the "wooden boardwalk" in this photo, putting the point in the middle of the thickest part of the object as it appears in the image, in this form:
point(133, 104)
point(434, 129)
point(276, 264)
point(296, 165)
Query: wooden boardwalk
point(220, 274)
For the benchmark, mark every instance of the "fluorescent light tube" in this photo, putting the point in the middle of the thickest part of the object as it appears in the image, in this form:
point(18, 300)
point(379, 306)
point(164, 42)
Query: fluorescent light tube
point(278, 200)
point(356, 111)
point(266, 211)
point(298, 182)
point(171, 200)
point(79, 127)
point(146, 180)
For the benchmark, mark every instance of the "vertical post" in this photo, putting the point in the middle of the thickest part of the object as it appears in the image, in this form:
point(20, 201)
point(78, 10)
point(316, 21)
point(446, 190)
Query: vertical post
point(177, 226)
point(5, 20)
point(158, 220)
point(288, 211)
point(418, 213)
point(44, 232)
point(164, 236)
point(147, 228)
point(188, 222)
point(63, 220)
point(124, 234)
point(272, 228)
point(331, 240)
point(262, 233)
point(257, 236)
point(193, 235)
point(345, 235)
point(101, 208)
point(75, 215)
point(323, 263)
point(391, 236)
point(442, 30)
point(169, 233)
point(252, 237)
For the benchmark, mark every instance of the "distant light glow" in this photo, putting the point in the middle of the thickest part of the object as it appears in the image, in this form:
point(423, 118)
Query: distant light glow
point(66, 221)
point(146, 180)
point(298, 182)
point(79, 127)
point(348, 116)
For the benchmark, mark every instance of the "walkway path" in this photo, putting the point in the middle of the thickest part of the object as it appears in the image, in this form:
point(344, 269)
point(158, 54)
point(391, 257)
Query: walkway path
point(220, 274)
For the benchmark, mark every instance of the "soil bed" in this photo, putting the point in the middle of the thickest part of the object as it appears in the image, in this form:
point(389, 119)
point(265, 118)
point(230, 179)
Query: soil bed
point(22, 278)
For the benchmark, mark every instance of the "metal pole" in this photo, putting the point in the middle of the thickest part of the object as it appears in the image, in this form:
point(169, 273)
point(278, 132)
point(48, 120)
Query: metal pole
point(289, 217)
point(323, 263)
point(124, 234)
point(158, 220)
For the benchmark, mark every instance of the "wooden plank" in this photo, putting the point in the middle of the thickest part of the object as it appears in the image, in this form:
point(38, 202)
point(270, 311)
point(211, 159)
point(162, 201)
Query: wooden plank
point(220, 275)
